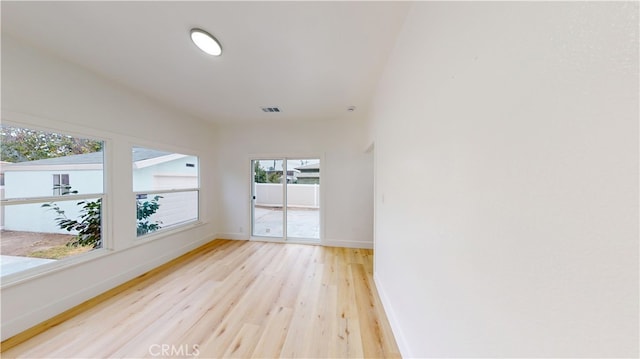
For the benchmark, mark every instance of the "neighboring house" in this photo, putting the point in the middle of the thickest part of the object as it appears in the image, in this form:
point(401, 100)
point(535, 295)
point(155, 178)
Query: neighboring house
point(291, 174)
point(152, 171)
point(309, 174)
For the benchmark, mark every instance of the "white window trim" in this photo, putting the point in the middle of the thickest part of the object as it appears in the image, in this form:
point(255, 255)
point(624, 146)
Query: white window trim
point(162, 232)
point(17, 119)
point(48, 268)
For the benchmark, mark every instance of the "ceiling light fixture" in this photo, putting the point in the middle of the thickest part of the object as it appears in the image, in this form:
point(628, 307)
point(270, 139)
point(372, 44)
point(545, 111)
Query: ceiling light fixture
point(206, 42)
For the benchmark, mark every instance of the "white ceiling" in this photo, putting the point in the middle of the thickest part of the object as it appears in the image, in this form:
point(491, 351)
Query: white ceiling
point(311, 59)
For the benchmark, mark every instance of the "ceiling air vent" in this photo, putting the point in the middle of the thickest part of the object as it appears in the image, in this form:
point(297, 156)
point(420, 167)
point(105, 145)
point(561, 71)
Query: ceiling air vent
point(271, 109)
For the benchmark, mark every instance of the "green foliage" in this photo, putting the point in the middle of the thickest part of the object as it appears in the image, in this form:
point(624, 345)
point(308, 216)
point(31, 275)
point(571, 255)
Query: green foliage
point(89, 226)
point(144, 211)
point(260, 174)
point(64, 189)
point(274, 177)
point(22, 144)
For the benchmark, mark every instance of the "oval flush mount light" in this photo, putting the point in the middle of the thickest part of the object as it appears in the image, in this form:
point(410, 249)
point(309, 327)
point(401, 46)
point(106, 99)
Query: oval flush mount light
point(206, 42)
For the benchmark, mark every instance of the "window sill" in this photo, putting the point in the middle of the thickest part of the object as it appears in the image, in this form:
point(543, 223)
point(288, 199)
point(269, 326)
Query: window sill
point(150, 237)
point(29, 274)
point(46, 269)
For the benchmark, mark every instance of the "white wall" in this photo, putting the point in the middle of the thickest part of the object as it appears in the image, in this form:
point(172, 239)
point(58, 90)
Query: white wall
point(506, 141)
point(29, 184)
point(346, 184)
point(41, 90)
point(176, 208)
point(166, 175)
point(298, 195)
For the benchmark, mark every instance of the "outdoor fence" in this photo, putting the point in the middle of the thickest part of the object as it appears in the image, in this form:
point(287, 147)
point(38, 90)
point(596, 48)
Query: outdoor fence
point(298, 195)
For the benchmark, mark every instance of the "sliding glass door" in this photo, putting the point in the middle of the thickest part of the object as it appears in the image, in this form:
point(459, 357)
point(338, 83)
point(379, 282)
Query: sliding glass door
point(267, 199)
point(285, 198)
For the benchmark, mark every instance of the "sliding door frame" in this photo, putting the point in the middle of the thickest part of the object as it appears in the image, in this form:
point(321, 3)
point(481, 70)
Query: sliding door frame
point(284, 158)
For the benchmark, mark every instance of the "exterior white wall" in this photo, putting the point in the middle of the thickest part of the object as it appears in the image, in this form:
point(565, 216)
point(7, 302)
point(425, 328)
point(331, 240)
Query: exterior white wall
point(268, 194)
point(175, 208)
point(298, 195)
point(47, 92)
point(346, 187)
point(506, 145)
point(303, 195)
point(29, 184)
point(34, 218)
point(146, 178)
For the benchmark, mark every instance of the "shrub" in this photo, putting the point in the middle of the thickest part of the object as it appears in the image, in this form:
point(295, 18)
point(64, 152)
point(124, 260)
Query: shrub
point(145, 210)
point(89, 226)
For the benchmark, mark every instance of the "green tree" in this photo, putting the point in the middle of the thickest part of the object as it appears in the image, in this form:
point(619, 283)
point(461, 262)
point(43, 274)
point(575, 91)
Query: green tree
point(89, 225)
point(274, 177)
point(260, 174)
point(23, 144)
point(144, 211)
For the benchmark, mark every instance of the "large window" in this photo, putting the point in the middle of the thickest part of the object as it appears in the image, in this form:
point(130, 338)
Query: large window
point(51, 199)
point(166, 188)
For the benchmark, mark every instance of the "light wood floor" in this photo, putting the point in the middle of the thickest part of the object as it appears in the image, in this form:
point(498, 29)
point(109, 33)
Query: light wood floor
point(235, 299)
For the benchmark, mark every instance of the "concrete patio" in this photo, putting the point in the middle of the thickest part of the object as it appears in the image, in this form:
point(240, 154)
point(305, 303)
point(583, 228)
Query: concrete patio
point(301, 222)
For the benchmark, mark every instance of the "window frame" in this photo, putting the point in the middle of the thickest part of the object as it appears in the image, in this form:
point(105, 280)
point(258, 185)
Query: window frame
point(322, 240)
point(107, 244)
point(136, 194)
point(58, 187)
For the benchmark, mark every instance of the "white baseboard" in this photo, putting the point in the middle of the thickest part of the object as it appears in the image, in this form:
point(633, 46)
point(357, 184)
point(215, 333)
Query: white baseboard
point(234, 236)
point(393, 320)
point(326, 242)
point(347, 244)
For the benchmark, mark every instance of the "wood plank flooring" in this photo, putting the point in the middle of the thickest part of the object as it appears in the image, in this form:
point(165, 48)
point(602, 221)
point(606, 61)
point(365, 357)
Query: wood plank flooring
point(234, 299)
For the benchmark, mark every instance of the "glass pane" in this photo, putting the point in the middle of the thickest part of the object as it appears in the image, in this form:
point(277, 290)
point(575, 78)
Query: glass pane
point(43, 164)
point(159, 170)
point(39, 233)
point(303, 198)
point(165, 210)
point(268, 218)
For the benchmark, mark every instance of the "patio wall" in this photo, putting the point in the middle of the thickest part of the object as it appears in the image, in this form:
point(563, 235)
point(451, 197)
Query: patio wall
point(298, 195)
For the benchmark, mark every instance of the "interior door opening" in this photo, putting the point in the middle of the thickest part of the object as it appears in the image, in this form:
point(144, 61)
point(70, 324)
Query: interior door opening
point(285, 198)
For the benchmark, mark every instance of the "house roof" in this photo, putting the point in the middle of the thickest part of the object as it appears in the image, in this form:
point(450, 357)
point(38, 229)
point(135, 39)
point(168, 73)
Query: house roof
point(312, 166)
point(308, 175)
point(139, 154)
point(84, 161)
